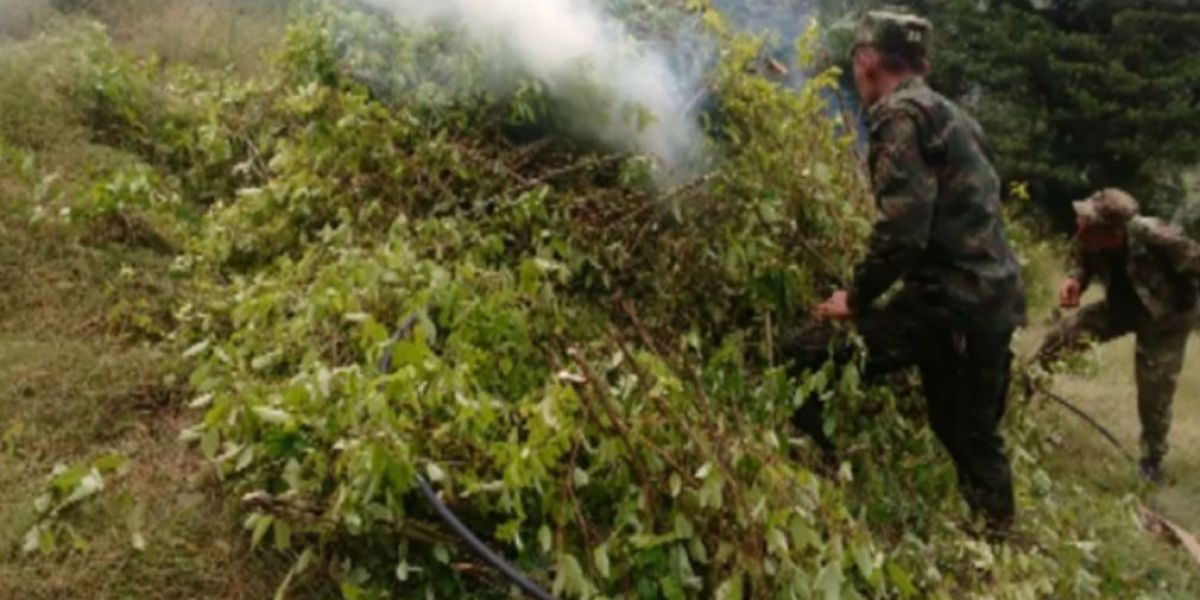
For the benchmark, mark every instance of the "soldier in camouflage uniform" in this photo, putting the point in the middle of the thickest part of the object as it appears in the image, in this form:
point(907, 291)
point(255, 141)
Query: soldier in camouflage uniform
point(939, 232)
point(1150, 271)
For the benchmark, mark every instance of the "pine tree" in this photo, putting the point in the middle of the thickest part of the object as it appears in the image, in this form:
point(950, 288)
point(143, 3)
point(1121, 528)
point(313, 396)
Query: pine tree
point(1076, 94)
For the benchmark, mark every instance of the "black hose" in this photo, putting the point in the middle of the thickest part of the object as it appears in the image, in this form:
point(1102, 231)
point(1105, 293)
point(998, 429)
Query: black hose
point(481, 550)
point(1079, 412)
point(460, 529)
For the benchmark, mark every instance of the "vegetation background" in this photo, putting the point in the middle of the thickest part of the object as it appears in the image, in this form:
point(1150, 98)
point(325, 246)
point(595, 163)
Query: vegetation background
point(215, 212)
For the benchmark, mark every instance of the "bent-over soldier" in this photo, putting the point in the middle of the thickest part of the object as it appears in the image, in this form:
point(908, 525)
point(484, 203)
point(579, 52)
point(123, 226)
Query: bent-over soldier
point(1151, 275)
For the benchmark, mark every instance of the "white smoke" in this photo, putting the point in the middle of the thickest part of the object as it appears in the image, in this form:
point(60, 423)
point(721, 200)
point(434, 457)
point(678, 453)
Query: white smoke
point(565, 42)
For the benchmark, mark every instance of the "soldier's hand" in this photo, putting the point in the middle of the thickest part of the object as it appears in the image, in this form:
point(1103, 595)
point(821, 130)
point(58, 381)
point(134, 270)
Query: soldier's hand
point(836, 307)
point(1068, 296)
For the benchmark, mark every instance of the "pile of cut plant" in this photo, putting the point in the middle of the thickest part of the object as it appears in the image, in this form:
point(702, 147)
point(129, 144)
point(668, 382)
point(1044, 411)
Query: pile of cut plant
point(391, 268)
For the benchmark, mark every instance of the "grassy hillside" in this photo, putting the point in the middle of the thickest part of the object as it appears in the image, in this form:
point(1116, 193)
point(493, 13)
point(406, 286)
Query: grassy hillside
point(1106, 390)
point(83, 373)
point(203, 253)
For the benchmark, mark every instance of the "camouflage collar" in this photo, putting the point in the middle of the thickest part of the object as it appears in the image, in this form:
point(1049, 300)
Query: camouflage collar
point(915, 82)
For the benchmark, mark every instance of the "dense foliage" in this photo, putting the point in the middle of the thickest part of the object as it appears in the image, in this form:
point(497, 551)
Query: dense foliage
point(587, 370)
point(1076, 95)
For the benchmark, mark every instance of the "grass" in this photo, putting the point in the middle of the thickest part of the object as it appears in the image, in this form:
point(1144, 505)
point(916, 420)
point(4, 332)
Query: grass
point(75, 381)
point(70, 400)
point(1109, 394)
point(71, 389)
point(70, 393)
point(217, 33)
point(221, 34)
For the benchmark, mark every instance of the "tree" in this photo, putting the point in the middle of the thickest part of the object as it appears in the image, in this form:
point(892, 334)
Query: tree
point(1076, 94)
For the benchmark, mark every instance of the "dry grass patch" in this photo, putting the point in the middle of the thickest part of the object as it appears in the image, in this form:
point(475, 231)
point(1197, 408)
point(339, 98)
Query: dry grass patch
point(1109, 394)
point(212, 33)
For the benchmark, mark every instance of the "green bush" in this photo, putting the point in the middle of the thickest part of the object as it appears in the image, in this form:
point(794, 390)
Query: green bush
point(590, 378)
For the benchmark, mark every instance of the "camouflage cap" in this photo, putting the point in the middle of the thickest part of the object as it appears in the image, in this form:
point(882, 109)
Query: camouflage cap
point(892, 31)
point(838, 42)
point(1108, 206)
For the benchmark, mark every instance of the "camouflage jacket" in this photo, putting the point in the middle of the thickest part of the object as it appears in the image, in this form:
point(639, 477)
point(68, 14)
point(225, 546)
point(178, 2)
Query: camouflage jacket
point(938, 227)
point(1162, 264)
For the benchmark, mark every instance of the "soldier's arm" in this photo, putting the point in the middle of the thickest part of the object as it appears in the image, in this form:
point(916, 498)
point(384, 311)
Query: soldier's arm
point(1079, 267)
point(905, 192)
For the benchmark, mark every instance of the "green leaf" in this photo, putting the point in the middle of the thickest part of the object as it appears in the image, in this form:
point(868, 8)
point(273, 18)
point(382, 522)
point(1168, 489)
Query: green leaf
point(777, 541)
point(901, 579)
point(283, 535)
point(46, 541)
point(530, 277)
point(803, 535)
point(201, 401)
point(324, 381)
point(683, 527)
point(672, 589)
point(404, 570)
point(570, 577)
point(351, 591)
point(111, 462)
point(270, 415)
point(545, 539)
point(710, 495)
point(136, 521)
point(245, 458)
point(78, 542)
point(209, 442)
point(297, 568)
point(89, 485)
point(305, 559)
point(261, 524)
point(196, 349)
point(436, 474)
point(581, 478)
point(32, 540)
point(866, 565)
point(850, 379)
point(600, 559)
point(264, 361)
point(409, 353)
point(43, 503)
point(730, 589)
point(66, 478)
point(829, 581)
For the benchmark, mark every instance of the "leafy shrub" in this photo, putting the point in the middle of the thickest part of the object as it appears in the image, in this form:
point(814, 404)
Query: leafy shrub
point(590, 376)
point(67, 489)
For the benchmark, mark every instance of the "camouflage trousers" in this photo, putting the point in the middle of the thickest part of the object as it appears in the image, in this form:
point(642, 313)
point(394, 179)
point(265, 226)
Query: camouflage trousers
point(1161, 344)
point(965, 379)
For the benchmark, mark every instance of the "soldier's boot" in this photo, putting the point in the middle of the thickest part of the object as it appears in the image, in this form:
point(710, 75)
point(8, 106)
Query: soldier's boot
point(1150, 471)
point(1160, 352)
point(808, 348)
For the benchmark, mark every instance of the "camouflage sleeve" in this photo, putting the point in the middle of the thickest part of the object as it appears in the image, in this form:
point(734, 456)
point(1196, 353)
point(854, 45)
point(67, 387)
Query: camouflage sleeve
point(1181, 251)
point(905, 192)
point(1079, 267)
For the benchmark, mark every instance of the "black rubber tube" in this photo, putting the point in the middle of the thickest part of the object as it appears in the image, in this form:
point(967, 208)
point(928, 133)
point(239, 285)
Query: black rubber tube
point(491, 557)
point(1079, 412)
point(481, 549)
